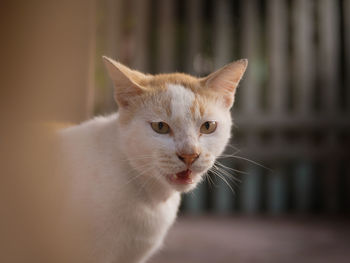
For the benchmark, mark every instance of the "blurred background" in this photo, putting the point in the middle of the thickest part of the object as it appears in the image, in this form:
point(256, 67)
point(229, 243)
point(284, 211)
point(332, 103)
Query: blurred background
point(292, 111)
point(287, 192)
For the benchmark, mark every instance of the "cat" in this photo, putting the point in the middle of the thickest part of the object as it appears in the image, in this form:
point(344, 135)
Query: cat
point(128, 169)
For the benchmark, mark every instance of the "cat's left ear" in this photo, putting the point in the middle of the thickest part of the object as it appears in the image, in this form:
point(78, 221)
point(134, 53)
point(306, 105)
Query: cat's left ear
point(226, 80)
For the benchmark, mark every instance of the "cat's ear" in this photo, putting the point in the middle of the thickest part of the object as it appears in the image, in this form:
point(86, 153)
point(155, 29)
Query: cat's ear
point(126, 81)
point(226, 80)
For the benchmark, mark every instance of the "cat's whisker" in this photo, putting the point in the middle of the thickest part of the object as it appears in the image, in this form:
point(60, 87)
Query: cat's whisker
point(223, 179)
point(206, 178)
point(233, 147)
point(229, 154)
point(217, 167)
point(229, 176)
point(193, 194)
point(210, 180)
point(132, 179)
point(139, 175)
point(145, 166)
point(223, 156)
point(230, 168)
point(147, 181)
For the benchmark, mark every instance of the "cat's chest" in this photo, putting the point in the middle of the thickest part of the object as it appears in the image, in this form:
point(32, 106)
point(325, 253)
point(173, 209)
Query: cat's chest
point(137, 229)
point(153, 220)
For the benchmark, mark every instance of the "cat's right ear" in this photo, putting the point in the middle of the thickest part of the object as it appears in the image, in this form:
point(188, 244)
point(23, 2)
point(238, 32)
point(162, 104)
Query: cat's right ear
point(126, 81)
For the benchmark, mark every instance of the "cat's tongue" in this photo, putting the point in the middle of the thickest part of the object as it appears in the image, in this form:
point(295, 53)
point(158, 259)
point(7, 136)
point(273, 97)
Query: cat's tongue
point(182, 177)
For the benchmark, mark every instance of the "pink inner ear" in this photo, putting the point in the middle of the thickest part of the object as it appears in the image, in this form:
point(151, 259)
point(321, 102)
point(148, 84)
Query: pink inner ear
point(226, 79)
point(226, 88)
point(226, 85)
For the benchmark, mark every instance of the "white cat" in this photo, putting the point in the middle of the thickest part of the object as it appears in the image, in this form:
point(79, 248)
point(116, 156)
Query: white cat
point(128, 169)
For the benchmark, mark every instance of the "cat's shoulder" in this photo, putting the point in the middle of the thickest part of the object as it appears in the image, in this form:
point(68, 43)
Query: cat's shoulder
point(95, 123)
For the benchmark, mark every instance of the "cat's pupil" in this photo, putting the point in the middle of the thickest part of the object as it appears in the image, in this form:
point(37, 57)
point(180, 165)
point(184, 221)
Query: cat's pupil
point(160, 125)
point(207, 125)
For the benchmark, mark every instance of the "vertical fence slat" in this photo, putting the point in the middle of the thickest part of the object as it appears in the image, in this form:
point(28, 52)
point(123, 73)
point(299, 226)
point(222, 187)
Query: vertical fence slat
point(250, 31)
point(330, 186)
point(142, 15)
point(193, 16)
point(251, 190)
point(303, 180)
point(278, 49)
point(251, 87)
point(303, 69)
point(277, 35)
point(277, 191)
point(347, 187)
point(166, 39)
point(329, 36)
point(346, 15)
point(223, 44)
point(223, 197)
point(303, 55)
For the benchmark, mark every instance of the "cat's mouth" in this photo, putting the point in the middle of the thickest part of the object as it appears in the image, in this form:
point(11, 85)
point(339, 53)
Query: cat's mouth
point(183, 177)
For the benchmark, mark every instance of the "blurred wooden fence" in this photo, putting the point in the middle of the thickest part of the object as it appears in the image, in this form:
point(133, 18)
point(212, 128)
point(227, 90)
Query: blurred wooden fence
point(293, 106)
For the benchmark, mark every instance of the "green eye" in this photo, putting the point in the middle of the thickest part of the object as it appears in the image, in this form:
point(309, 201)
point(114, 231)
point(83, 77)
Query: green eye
point(208, 127)
point(160, 127)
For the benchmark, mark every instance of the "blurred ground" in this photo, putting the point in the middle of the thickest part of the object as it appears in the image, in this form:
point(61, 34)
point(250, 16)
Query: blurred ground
point(250, 239)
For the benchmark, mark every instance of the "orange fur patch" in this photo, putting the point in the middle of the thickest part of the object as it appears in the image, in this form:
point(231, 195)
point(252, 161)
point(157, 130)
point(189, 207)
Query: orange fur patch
point(160, 81)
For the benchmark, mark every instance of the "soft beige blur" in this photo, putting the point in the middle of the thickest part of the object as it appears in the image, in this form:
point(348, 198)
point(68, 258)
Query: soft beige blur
point(46, 75)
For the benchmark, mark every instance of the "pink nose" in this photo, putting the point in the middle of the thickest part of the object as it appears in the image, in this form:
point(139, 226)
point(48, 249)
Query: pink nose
point(188, 159)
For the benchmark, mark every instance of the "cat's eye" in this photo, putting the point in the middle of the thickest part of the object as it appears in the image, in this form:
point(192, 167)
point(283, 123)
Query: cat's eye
point(160, 127)
point(208, 127)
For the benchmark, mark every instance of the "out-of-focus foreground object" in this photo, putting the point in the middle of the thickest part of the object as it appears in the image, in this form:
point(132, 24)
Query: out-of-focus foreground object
point(46, 74)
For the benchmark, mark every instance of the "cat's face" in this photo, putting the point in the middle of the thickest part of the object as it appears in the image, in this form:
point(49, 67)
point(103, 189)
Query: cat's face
point(174, 125)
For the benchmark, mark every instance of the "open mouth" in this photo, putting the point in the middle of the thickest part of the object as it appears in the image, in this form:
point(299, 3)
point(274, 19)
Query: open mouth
point(183, 177)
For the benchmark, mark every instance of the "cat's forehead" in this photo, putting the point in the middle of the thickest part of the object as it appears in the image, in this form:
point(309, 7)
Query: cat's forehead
point(178, 90)
point(176, 97)
point(182, 100)
point(162, 81)
point(177, 103)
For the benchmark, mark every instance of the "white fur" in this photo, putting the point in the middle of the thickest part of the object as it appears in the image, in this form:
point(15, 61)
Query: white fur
point(182, 100)
point(119, 173)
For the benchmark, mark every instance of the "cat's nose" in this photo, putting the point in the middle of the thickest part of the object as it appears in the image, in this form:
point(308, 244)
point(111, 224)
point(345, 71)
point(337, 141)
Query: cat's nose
point(188, 159)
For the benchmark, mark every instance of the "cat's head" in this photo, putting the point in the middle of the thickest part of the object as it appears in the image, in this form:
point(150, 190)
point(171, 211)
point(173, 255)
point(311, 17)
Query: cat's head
point(174, 126)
